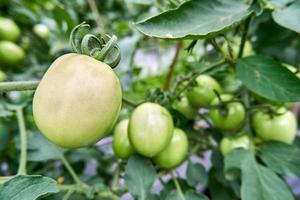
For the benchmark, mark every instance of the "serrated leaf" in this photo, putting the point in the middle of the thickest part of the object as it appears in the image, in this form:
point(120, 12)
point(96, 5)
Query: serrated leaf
point(139, 176)
point(196, 19)
point(268, 78)
point(196, 174)
point(274, 155)
point(28, 188)
point(288, 17)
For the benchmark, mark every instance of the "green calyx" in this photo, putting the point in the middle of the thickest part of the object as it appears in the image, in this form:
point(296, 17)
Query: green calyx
point(102, 48)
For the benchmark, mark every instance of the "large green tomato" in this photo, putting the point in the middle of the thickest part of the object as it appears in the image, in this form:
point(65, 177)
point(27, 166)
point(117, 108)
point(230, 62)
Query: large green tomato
point(77, 101)
point(230, 118)
point(175, 152)
point(2, 76)
point(10, 53)
point(9, 30)
point(229, 143)
point(41, 30)
point(121, 144)
point(203, 93)
point(183, 106)
point(150, 129)
point(235, 45)
point(281, 128)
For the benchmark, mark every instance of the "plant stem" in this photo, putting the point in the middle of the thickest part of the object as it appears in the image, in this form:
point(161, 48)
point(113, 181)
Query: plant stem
point(177, 185)
point(4, 179)
point(97, 16)
point(70, 170)
point(172, 66)
point(115, 185)
point(244, 36)
point(23, 138)
point(18, 86)
point(68, 194)
point(129, 102)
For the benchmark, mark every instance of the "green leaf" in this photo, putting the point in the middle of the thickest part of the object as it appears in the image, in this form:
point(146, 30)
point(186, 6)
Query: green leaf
point(196, 174)
point(40, 149)
point(28, 188)
point(280, 3)
point(261, 183)
point(194, 196)
point(233, 162)
point(173, 195)
point(288, 17)
point(281, 158)
point(139, 176)
point(196, 19)
point(269, 79)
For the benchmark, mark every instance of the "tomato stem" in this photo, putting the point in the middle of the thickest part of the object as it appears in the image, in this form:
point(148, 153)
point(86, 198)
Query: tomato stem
point(23, 136)
point(71, 170)
point(18, 86)
point(177, 185)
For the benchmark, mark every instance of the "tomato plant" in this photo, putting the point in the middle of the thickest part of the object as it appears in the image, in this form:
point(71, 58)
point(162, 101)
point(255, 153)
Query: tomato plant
point(149, 100)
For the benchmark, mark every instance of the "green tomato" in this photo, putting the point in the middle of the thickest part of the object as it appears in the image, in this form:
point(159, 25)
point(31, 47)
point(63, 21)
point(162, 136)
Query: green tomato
point(121, 144)
point(231, 84)
point(282, 128)
point(235, 45)
point(10, 53)
point(2, 76)
point(42, 31)
point(229, 143)
point(183, 106)
point(77, 101)
point(203, 93)
point(230, 118)
point(150, 129)
point(9, 30)
point(175, 153)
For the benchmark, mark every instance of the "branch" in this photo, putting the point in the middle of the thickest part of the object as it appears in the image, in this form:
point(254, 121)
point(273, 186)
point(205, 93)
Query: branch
point(97, 16)
point(172, 67)
point(244, 36)
point(23, 135)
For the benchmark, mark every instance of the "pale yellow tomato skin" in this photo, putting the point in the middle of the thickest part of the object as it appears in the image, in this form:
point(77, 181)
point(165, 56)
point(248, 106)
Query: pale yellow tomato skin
point(282, 128)
point(77, 101)
point(175, 153)
point(150, 129)
point(121, 144)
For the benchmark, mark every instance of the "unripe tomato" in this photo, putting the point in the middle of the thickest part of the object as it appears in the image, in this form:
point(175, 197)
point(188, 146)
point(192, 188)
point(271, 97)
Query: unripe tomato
point(203, 93)
point(229, 143)
point(121, 144)
point(175, 152)
point(41, 30)
point(77, 101)
point(10, 53)
point(235, 45)
point(2, 76)
point(9, 30)
point(231, 117)
point(183, 106)
point(150, 129)
point(281, 128)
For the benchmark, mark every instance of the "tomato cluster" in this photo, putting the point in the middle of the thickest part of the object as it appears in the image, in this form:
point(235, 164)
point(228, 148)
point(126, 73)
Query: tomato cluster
point(229, 114)
point(151, 133)
point(11, 54)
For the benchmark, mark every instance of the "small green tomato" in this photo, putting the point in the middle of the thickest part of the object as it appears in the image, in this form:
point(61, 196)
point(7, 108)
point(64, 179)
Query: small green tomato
point(121, 144)
point(175, 153)
point(203, 93)
point(229, 143)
